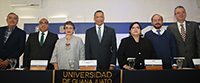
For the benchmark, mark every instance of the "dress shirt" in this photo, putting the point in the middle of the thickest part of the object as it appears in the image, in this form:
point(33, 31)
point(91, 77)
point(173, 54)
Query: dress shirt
point(161, 31)
point(45, 35)
point(102, 29)
point(179, 26)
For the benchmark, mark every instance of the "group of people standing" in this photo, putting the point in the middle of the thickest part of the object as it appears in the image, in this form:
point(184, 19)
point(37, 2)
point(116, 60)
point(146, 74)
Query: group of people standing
point(180, 39)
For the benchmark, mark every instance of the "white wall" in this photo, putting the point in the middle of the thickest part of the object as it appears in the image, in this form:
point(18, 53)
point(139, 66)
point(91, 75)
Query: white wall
point(115, 10)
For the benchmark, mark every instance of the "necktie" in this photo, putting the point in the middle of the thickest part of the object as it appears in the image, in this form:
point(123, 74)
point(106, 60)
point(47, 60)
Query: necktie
point(159, 32)
point(183, 34)
point(99, 34)
point(41, 39)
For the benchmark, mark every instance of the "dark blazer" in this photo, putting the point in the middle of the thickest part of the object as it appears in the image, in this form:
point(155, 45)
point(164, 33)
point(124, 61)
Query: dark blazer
point(129, 48)
point(14, 47)
point(191, 47)
point(33, 50)
point(104, 52)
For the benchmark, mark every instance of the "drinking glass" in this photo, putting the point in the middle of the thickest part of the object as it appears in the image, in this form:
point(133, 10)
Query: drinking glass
point(13, 63)
point(72, 64)
point(179, 63)
point(131, 62)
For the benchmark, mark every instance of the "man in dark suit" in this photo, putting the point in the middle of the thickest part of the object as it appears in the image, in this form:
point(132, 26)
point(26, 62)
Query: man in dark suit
point(12, 41)
point(100, 43)
point(187, 36)
point(40, 45)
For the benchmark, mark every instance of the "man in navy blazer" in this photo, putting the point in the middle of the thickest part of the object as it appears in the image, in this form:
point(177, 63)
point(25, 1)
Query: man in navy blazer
point(188, 45)
point(100, 43)
point(12, 41)
point(35, 50)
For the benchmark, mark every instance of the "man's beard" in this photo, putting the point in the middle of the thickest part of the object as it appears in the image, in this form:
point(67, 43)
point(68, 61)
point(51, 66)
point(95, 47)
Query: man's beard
point(158, 26)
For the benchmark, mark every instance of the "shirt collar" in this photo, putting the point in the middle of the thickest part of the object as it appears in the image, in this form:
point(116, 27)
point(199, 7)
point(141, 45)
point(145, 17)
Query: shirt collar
point(100, 26)
point(161, 31)
point(179, 24)
point(45, 33)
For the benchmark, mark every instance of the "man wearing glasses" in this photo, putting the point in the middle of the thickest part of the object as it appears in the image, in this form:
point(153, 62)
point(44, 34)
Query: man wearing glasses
point(187, 36)
point(40, 45)
point(12, 41)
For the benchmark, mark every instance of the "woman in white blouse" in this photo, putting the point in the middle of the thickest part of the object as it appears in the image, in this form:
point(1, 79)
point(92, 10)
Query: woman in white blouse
point(69, 49)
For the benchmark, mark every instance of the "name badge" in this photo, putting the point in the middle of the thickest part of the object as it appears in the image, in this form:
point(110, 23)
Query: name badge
point(87, 63)
point(40, 63)
point(179, 57)
point(196, 62)
point(153, 62)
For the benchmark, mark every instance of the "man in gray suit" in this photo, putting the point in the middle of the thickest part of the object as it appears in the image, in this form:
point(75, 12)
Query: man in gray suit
point(187, 36)
point(100, 43)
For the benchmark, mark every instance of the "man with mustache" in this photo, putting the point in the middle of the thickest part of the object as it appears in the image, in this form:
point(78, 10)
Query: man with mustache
point(187, 35)
point(163, 42)
point(12, 41)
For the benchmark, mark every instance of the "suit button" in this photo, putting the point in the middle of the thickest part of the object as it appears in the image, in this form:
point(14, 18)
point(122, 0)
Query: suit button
point(2, 50)
point(184, 44)
point(185, 51)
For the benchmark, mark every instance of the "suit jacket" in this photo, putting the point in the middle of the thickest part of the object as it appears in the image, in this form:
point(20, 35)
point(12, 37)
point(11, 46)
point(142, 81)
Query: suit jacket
point(14, 46)
point(104, 52)
point(191, 47)
point(129, 48)
point(33, 50)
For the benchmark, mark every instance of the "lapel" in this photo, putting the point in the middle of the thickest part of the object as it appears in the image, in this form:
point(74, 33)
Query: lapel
point(47, 39)
point(2, 33)
point(95, 36)
point(37, 38)
point(187, 31)
point(178, 33)
point(105, 32)
point(11, 35)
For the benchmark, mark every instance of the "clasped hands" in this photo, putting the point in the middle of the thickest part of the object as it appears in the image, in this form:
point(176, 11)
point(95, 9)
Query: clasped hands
point(128, 67)
point(4, 64)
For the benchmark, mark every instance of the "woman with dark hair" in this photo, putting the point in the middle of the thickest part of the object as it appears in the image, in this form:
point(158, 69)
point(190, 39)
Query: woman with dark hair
point(68, 50)
point(135, 47)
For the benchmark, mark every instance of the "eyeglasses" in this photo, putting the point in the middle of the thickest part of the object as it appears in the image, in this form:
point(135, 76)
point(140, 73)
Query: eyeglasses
point(15, 18)
point(135, 28)
point(180, 12)
point(68, 27)
point(45, 23)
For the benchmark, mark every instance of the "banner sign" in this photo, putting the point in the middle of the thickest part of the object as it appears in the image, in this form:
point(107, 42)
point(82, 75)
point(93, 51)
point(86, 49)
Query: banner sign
point(80, 28)
point(66, 76)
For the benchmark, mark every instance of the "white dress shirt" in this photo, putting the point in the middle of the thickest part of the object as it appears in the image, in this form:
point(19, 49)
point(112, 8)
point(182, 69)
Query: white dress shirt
point(45, 35)
point(102, 29)
point(179, 26)
point(161, 31)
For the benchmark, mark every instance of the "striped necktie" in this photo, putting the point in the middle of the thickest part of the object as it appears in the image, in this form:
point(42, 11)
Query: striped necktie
point(183, 34)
